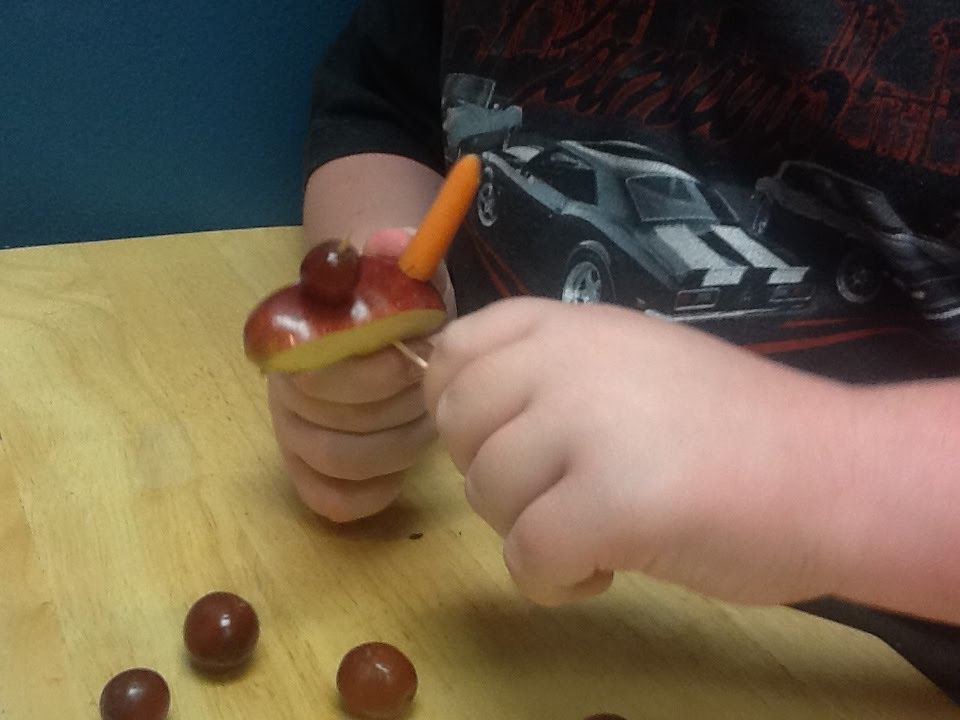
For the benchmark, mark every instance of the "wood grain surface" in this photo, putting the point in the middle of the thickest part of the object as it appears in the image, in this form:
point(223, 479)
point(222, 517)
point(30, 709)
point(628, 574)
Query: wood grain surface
point(138, 471)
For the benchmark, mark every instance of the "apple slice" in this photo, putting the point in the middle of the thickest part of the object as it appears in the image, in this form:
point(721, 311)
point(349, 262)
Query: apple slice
point(292, 331)
point(317, 321)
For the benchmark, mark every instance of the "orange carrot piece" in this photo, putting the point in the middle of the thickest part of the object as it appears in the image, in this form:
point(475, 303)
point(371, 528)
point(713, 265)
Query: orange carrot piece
point(430, 242)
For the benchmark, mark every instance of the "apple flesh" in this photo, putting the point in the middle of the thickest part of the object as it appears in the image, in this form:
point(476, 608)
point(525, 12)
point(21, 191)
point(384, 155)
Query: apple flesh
point(294, 331)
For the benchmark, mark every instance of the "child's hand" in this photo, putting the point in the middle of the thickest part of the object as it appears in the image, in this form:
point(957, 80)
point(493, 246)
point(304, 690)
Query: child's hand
point(594, 439)
point(347, 432)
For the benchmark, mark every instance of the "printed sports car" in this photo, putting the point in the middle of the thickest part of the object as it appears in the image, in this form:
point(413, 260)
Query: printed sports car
point(473, 118)
point(617, 222)
point(857, 238)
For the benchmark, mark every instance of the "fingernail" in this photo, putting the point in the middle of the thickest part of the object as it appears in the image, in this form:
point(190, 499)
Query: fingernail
point(387, 242)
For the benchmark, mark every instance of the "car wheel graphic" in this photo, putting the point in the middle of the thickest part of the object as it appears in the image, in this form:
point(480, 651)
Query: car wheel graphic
point(587, 280)
point(859, 277)
point(487, 210)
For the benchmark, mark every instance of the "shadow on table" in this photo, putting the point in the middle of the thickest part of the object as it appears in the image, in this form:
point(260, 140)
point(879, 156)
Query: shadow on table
point(932, 648)
point(677, 662)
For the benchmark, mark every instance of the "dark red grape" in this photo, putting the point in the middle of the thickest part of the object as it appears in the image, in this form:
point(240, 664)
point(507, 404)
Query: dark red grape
point(376, 681)
point(221, 631)
point(330, 272)
point(135, 694)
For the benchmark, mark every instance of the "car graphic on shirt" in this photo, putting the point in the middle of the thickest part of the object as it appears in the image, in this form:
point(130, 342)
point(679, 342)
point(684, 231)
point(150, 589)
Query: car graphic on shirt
point(474, 119)
point(853, 235)
point(614, 221)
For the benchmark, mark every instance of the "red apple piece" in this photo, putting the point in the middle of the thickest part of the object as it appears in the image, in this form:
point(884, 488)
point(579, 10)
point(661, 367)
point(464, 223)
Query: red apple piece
point(292, 331)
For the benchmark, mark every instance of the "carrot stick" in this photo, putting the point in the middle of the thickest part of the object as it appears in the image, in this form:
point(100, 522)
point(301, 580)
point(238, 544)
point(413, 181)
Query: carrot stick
point(439, 226)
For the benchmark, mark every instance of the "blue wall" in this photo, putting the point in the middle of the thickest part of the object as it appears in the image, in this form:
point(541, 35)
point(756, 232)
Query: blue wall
point(126, 117)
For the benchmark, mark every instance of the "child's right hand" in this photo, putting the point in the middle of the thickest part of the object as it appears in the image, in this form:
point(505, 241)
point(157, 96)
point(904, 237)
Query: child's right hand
point(347, 432)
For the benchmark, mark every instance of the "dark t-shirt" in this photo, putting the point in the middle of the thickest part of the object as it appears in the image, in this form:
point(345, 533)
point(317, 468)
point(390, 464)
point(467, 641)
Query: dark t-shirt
point(782, 173)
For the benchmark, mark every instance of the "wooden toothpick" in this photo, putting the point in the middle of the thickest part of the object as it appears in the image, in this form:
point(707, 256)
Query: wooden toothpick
point(411, 355)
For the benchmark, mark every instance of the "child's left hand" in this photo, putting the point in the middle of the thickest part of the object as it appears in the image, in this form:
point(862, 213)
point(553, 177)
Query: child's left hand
point(595, 439)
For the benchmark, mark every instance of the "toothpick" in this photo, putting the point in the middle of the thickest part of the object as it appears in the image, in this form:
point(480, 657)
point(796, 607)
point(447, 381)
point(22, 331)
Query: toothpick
point(411, 355)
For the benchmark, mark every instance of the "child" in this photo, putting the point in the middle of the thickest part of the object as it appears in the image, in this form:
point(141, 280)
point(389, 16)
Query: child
point(751, 213)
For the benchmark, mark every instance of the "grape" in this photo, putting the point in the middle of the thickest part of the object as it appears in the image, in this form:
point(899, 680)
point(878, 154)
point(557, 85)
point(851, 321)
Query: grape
point(330, 272)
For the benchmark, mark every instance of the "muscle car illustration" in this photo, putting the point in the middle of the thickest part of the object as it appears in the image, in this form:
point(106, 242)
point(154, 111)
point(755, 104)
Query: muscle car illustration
point(619, 223)
point(473, 118)
point(855, 236)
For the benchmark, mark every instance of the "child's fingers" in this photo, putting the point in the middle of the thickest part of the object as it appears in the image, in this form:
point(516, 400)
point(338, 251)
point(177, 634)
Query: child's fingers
point(551, 551)
point(481, 332)
point(353, 456)
point(340, 500)
point(365, 379)
point(404, 407)
point(483, 396)
point(516, 465)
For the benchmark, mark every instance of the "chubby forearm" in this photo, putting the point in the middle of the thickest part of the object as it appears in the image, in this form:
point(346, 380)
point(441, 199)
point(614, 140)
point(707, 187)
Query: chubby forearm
point(852, 491)
point(360, 194)
point(896, 519)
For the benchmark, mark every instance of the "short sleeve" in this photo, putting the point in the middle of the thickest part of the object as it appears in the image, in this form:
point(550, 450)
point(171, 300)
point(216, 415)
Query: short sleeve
point(378, 88)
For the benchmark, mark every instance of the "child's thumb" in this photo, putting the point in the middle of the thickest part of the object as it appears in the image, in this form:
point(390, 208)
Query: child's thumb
point(389, 242)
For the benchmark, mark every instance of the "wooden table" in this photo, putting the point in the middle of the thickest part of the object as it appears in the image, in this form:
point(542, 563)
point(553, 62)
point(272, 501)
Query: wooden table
point(138, 471)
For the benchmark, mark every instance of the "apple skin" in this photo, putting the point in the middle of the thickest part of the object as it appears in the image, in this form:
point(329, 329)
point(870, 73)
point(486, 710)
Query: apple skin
point(293, 331)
